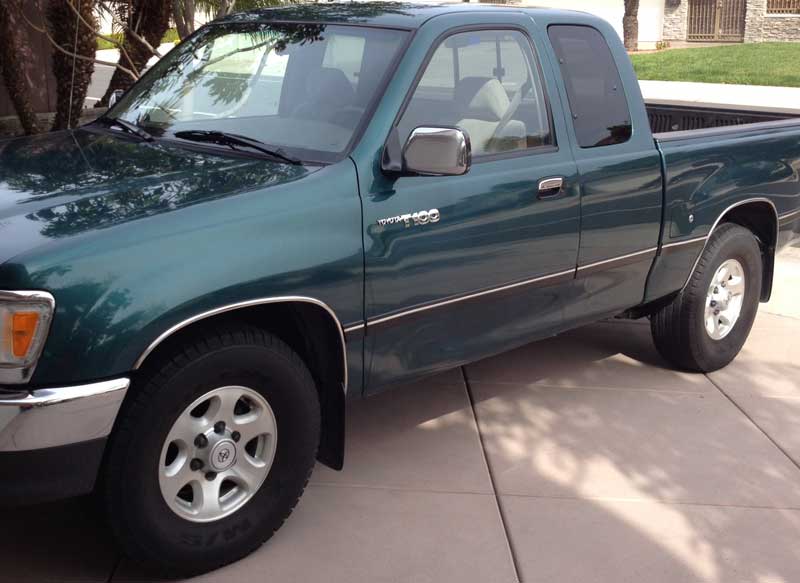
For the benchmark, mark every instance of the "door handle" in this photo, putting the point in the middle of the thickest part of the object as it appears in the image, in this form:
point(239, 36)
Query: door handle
point(551, 187)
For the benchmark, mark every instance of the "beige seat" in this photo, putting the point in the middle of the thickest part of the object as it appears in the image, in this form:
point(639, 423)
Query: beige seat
point(486, 103)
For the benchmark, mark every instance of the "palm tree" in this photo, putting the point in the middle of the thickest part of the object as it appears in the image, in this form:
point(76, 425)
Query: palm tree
point(183, 11)
point(73, 27)
point(630, 25)
point(14, 54)
point(146, 23)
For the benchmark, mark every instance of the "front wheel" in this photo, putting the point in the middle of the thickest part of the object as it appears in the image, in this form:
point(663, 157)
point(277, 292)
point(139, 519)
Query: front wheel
point(213, 451)
point(706, 324)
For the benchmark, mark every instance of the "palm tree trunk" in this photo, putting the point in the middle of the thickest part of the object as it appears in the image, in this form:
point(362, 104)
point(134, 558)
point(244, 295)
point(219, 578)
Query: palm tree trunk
point(14, 52)
point(150, 20)
point(183, 15)
point(225, 7)
point(72, 75)
point(630, 25)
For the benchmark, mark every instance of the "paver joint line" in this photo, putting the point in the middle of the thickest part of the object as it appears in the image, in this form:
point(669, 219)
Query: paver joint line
point(756, 425)
point(500, 511)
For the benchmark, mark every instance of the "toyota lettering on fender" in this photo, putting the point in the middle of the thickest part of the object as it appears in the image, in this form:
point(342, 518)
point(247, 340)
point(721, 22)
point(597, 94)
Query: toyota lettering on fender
point(413, 219)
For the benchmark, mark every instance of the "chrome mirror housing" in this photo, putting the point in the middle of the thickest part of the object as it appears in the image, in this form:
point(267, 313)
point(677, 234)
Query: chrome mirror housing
point(437, 151)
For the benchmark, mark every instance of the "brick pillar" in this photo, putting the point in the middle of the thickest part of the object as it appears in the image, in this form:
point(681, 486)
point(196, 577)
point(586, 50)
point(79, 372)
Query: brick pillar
point(754, 21)
point(676, 17)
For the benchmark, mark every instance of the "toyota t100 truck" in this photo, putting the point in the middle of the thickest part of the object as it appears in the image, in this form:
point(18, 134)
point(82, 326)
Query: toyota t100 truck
point(309, 204)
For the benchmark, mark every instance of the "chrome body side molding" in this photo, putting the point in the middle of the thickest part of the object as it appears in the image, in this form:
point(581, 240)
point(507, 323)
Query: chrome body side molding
point(684, 242)
point(354, 328)
point(545, 280)
point(787, 218)
point(616, 261)
point(249, 304)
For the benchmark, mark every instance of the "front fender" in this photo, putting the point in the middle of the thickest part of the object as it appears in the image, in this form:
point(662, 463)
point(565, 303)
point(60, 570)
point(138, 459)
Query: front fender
point(118, 289)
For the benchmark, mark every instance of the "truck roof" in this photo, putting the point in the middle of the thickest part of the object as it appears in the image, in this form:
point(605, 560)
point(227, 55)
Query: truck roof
point(388, 14)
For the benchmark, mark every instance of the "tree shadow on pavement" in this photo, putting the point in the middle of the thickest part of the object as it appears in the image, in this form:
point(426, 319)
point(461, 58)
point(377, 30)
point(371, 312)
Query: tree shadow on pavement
point(658, 479)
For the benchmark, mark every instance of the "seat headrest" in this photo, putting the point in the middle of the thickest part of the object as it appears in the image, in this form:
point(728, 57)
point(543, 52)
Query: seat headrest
point(485, 94)
point(331, 85)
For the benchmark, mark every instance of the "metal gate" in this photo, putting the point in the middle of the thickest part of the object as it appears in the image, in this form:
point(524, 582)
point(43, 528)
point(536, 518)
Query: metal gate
point(716, 20)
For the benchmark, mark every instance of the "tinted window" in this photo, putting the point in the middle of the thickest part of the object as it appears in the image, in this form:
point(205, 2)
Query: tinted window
point(599, 109)
point(486, 83)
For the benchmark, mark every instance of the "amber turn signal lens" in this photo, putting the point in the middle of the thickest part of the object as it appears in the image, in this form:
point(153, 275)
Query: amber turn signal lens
point(23, 328)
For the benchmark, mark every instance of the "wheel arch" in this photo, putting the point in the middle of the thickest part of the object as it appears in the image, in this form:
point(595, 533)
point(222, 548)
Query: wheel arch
point(309, 326)
point(760, 217)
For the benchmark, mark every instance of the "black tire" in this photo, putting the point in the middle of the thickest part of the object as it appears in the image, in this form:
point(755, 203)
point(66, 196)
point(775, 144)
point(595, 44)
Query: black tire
point(146, 528)
point(678, 329)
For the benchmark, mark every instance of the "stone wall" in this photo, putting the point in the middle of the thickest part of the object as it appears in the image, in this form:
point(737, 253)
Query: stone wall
point(763, 27)
point(781, 28)
point(759, 26)
point(676, 17)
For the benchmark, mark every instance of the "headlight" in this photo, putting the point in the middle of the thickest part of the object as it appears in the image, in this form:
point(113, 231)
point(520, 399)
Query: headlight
point(24, 323)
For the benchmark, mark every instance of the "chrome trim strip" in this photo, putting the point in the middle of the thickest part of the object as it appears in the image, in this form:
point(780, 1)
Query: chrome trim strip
point(426, 307)
point(740, 131)
point(52, 417)
point(249, 304)
point(716, 223)
point(616, 259)
point(15, 375)
point(681, 243)
point(7, 295)
point(788, 217)
point(354, 328)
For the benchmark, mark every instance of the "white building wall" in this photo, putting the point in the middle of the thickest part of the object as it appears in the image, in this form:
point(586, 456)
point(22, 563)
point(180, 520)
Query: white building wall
point(651, 15)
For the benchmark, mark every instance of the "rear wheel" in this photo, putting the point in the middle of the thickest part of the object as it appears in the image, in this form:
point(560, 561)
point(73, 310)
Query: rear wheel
point(213, 451)
point(706, 325)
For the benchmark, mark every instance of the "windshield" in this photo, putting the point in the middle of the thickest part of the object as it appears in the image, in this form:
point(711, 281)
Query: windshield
point(299, 88)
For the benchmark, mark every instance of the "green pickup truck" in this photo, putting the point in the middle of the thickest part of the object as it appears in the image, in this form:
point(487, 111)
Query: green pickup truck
point(308, 204)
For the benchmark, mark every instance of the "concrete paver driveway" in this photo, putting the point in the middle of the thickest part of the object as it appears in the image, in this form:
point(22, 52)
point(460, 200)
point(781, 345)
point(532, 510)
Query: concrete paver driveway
point(580, 458)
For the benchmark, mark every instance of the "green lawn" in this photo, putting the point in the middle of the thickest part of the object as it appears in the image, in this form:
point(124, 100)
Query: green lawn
point(171, 36)
point(775, 64)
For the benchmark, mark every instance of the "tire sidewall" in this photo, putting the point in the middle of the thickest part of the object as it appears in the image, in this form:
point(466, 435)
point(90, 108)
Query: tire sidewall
point(199, 546)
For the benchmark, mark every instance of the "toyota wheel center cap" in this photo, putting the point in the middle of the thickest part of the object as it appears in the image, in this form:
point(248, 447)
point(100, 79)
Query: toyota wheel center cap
point(222, 455)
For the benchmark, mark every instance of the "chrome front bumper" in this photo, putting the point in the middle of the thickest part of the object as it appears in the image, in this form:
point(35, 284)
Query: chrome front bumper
point(46, 418)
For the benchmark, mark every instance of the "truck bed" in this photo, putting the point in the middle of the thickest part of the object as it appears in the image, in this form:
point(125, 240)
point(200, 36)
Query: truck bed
point(667, 118)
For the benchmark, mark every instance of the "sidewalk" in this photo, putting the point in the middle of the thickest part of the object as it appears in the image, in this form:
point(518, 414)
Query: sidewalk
point(754, 97)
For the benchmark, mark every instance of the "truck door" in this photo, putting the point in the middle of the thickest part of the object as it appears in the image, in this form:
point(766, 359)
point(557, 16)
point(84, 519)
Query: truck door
point(620, 171)
point(490, 270)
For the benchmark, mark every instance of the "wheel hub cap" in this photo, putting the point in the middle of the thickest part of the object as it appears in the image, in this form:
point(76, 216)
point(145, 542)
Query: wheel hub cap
point(724, 299)
point(217, 454)
point(222, 455)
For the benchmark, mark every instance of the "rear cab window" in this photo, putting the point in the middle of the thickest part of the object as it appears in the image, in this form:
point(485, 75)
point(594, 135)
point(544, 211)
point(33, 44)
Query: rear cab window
point(600, 112)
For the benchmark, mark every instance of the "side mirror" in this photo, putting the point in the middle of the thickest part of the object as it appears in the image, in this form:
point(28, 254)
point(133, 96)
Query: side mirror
point(429, 151)
point(115, 96)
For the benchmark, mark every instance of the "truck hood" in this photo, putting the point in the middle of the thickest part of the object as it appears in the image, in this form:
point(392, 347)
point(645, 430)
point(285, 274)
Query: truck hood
point(67, 183)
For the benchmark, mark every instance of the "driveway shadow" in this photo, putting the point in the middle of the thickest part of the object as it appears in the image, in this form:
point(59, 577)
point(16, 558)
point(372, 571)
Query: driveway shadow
point(595, 485)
